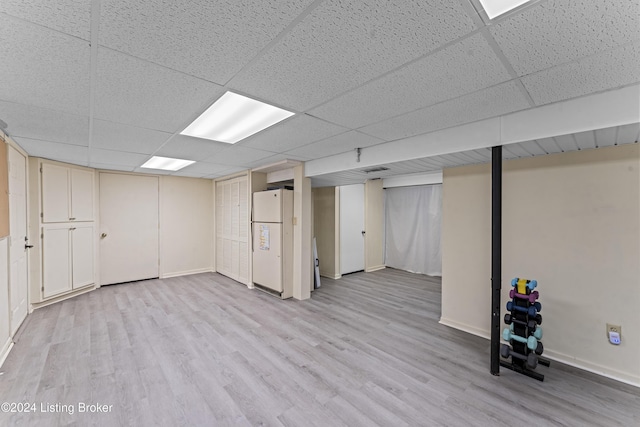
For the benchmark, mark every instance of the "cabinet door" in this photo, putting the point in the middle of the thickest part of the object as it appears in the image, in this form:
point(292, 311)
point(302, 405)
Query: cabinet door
point(56, 260)
point(82, 245)
point(55, 193)
point(81, 195)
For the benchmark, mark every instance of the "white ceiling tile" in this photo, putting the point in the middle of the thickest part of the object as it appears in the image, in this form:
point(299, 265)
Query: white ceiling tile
point(297, 131)
point(462, 68)
point(586, 140)
point(607, 70)
point(68, 16)
point(337, 144)
point(104, 166)
point(344, 43)
point(119, 137)
point(139, 93)
point(275, 158)
point(225, 172)
point(606, 137)
point(39, 123)
point(491, 102)
point(208, 39)
point(190, 148)
point(55, 151)
point(121, 158)
point(203, 168)
point(628, 134)
point(43, 68)
point(238, 156)
point(558, 31)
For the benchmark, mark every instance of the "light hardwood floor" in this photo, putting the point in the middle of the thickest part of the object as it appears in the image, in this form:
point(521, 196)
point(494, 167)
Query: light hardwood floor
point(204, 350)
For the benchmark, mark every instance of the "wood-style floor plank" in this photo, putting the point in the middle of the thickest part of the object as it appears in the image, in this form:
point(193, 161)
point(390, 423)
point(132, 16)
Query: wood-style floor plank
point(365, 350)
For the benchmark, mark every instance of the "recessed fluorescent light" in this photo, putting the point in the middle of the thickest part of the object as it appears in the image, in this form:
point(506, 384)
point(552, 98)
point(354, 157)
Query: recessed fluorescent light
point(498, 7)
point(234, 117)
point(166, 163)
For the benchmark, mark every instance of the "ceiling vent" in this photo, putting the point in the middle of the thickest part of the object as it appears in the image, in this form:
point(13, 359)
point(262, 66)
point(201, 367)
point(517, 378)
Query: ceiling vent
point(376, 169)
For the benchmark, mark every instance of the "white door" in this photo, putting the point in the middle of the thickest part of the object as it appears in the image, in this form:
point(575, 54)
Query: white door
point(128, 228)
point(351, 228)
point(18, 283)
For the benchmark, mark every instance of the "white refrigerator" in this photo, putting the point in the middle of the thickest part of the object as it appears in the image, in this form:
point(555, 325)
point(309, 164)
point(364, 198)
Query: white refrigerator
point(273, 241)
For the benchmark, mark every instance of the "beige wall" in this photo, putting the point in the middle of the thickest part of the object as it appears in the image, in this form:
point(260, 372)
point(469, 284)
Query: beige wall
point(373, 225)
point(186, 225)
point(5, 316)
point(324, 230)
point(571, 221)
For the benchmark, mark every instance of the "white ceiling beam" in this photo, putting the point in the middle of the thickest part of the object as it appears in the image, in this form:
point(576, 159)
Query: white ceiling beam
point(607, 109)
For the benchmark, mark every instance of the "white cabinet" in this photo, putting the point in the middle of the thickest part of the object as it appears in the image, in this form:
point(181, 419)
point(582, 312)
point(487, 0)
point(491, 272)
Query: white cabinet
point(67, 193)
point(233, 229)
point(65, 261)
point(67, 257)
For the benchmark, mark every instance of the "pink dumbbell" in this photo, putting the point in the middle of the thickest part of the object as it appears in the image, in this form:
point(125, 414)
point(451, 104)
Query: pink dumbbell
point(532, 297)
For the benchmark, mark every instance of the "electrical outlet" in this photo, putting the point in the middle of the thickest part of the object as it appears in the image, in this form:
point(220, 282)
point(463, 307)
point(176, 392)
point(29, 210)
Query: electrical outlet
point(616, 330)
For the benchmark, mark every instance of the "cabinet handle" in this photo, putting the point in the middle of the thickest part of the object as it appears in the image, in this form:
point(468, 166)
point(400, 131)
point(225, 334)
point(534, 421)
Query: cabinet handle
point(71, 219)
point(73, 228)
point(103, 235)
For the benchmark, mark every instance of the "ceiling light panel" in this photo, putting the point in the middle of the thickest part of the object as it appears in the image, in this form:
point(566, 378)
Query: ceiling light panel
point(233, 118)
point(498, 7)
point(166, 163)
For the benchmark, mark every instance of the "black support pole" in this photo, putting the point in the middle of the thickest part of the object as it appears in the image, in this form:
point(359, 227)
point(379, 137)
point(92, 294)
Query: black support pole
point(496, 255)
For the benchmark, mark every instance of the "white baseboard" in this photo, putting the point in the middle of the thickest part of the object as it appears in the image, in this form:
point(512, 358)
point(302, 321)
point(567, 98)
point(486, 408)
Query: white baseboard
point(585, 365)
point(6, 349)
point(375, 268)
point(187, 272)
point(465, 328)
point(330, 276)
point(604, 371)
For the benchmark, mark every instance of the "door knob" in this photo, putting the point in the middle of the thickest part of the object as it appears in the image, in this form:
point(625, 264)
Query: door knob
point(103, 235)
point(28, 246)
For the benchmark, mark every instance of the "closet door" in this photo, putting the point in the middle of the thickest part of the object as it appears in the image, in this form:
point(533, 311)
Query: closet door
point(56, 259)
point(82, 255)
point(55, 193)
point(81, 195)
point(232, 229)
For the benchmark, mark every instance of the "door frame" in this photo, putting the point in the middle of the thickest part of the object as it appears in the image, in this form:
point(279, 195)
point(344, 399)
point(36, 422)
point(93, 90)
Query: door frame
point(12, 145)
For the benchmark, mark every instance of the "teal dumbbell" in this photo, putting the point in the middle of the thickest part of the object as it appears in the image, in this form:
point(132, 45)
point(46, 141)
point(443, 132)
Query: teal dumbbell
point(531, 342)
point(537, 331)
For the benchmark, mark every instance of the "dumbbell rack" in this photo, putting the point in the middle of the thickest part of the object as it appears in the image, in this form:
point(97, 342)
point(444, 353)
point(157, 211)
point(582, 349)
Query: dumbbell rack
point(524, 331)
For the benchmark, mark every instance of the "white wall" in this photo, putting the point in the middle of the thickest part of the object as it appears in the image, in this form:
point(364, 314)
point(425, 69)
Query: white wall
point(571, 221)
point(186, 226)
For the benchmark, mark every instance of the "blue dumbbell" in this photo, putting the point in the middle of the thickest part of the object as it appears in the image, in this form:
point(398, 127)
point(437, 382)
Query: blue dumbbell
point(531, 311)
point(531, 342)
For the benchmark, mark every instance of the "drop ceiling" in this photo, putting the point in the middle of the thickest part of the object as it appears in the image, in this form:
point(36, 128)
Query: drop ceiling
point(110, 83)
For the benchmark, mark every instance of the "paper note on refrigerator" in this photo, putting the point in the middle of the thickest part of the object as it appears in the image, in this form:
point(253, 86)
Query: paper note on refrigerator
point(264, 238)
